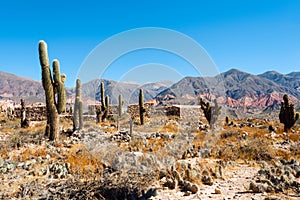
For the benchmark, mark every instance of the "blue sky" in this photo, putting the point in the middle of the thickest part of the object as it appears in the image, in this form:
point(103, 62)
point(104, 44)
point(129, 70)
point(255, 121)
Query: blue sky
point(253, 36)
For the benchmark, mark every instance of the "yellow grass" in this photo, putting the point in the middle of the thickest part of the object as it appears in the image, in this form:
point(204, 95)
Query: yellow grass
point(83, 162)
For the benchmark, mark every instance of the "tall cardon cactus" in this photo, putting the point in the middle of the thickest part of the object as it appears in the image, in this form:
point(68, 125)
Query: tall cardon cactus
point(287, 114)
point(141, 107)
point(55, 93)
point(103, 112)
point(77, 114)
point(106, 109)
point(121, 103)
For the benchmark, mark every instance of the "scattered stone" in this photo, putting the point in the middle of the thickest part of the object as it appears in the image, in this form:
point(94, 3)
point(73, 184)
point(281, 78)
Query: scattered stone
point(1, 162)
point(188, 186)
point(277, 179)
point(187, 193)
point(217, 191)
point(206, 178)
point(171, 183)
point(59, 170)
point(257, 188)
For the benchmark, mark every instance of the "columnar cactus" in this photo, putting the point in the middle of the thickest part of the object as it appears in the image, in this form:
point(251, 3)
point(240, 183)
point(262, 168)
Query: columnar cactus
point(106, 109)
point(77, 115)
point(103, 112)
point(211, 113)
point(102, 96)
point(24, 120)
point(287, 114)
point(141, 106)
point(59, 87)
point(80, 115)
point(52, 86)
point(120, 105)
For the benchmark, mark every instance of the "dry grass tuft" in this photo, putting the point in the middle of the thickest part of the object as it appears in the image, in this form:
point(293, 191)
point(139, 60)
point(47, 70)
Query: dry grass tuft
point(82, 162)
point(170, 128)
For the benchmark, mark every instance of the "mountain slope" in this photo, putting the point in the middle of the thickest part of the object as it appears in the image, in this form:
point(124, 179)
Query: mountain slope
point(129, 91)
point(291, 80)
point(233, 87)
point(17, 87)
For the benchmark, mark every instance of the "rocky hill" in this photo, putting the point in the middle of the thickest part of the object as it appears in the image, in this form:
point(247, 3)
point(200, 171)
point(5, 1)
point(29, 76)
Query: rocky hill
point(291, 80)
point(129, 91)
point(16, 87)
point(237, 88)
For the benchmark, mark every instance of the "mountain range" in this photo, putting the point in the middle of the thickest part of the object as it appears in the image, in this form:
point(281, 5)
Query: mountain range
point(234, 88)
point(237, 88)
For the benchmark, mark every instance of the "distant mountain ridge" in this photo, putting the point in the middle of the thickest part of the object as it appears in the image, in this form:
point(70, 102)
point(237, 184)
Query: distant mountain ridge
point(291, 80)
point(237, 88)
point(129, 91)
point(234, 88)
point(16, 87)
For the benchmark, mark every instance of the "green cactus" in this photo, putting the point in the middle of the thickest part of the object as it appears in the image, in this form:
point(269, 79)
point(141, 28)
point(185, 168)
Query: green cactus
point(77, 115)
point(103, 112)
point(80, 111)
point(99, 114)
point(141, 106)
point(106, 109)
point(59, 87)
point(287, 114)
point(211, 113)
point(120, 105)
point(102, 96)
point(24, 120)
point(52, 86)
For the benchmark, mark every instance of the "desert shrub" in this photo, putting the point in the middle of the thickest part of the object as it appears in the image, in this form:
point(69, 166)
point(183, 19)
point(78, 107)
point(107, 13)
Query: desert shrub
point(254, 149)
point(171, 127)
point(229, 134)
point(112, 186)
point(83, 164)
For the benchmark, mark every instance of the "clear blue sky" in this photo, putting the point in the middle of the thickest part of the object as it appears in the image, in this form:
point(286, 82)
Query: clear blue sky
point(251, 35)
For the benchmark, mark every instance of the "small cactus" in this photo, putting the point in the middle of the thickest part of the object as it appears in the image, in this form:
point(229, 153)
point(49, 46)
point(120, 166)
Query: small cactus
point(287, 114)
point(211, 113)
point(77, 115)
point(141, 106)
point(227, 120)
point(24, 120)
point(52, 86)
point(103, 112)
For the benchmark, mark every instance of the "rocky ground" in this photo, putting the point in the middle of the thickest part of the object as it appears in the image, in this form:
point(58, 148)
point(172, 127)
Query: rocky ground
point(245, 160)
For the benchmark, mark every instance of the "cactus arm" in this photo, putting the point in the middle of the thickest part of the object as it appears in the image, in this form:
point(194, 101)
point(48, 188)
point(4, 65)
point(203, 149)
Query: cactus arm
point(59, 87)
point(52, 128)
